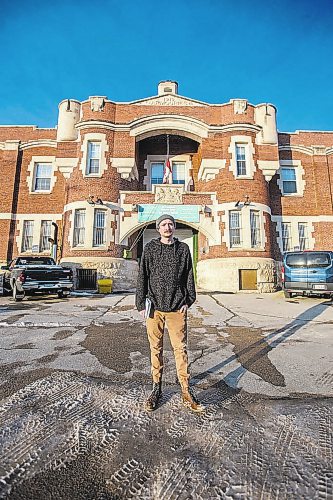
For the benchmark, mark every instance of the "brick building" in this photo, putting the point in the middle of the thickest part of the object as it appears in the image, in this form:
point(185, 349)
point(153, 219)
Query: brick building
point(242, 193)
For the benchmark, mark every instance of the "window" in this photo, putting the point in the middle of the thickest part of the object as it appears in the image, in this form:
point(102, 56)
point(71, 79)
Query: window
point(303, 236)
point(157, 173)
point(286, 236)
point(241, 159)
point(79, 227)
point(288, 176)
point(94, 157)
point(178, 172)
point(99, 228)
point(45, 234)
point(318, 259)
point(43, 173)
point(255, 229)
point(28, 227)
point(235, 228)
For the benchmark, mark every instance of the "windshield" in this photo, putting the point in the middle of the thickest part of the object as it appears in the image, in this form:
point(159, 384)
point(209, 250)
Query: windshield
point(35, 261)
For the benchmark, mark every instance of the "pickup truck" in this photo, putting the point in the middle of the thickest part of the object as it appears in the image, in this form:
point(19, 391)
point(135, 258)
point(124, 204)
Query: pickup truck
point(32, 275)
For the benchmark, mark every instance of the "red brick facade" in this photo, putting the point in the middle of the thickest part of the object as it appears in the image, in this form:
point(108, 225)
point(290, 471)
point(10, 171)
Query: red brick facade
point(202, 137)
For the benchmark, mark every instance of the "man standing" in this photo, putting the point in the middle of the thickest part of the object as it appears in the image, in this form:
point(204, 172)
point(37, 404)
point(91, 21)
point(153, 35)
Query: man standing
point(166, 279)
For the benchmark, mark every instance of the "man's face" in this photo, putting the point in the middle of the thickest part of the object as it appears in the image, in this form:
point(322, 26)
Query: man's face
point(166, 228)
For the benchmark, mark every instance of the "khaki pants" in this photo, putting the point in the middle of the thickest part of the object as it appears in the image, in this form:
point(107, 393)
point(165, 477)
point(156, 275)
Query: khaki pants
point(177, 327)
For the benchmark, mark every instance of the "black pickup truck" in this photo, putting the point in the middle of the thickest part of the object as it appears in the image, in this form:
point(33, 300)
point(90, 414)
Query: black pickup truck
point(33, 275)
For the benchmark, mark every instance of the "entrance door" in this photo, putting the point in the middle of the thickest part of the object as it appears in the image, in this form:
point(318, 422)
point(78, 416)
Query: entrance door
point(185, 235)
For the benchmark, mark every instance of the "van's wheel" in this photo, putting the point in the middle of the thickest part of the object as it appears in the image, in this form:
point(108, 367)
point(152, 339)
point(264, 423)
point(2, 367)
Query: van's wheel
point(18, 297)
point(287, 295)
point(61, 294)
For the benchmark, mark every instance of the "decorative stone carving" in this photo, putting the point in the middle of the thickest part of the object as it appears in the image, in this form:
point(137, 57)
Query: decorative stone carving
point(168, 194)
point(319, 150)
point(240, 106)
point(97, 103)
point(169, 100)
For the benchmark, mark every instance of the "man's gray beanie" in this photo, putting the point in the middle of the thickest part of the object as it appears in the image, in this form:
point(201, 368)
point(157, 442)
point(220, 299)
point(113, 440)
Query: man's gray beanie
point(164, 217)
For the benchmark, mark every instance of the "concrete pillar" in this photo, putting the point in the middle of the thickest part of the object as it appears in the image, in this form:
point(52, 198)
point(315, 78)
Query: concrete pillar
point(265, 117)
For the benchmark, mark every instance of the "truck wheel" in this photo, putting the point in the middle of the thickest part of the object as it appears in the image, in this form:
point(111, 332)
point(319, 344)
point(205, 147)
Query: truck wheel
point(18, 297)
point(287, 295)
point(61, 294)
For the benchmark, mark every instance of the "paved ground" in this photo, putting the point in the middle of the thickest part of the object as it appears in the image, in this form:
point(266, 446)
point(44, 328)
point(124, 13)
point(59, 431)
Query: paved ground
point(75, 374)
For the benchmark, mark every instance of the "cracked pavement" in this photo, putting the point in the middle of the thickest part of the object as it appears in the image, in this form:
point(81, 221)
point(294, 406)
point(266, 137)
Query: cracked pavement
point(75, 374)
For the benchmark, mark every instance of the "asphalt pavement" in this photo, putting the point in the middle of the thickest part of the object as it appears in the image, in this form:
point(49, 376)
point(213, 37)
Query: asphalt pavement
point(75, 374)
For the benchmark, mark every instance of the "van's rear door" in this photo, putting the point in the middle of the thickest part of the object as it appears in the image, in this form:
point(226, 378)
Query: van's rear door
point(320, 270)
point(295, 271)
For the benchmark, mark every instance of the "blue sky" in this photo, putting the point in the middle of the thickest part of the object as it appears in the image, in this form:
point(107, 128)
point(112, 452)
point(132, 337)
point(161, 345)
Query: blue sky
point(264, 51)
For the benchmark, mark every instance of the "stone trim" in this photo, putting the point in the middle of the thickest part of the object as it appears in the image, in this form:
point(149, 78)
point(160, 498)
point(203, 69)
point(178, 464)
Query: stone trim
point(32, 173)
point(251, 168)
point(162, 158)
point(38, 143)
point(300, 181)
point(98, 137)
point(268, 167)
point(294, 220)
point(209, 169)
point(66, 166)
point(37, 220)
point(126, 167)
point(89, 225)
point(245, 225)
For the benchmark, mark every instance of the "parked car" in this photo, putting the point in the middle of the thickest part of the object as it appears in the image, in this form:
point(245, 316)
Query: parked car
point(307, 273)
point(33, 275)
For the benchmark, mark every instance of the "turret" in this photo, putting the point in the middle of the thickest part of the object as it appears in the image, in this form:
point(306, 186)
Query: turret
point(69, 115)
point(265, 117)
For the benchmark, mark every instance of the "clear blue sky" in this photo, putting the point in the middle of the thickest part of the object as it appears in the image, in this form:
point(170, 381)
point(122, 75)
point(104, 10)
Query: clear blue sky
point(261, 50)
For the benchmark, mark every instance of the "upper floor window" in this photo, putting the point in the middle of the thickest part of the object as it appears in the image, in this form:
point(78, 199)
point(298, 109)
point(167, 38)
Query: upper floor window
point(303, 235)
point(255, 229)
point(178, 172)
point(241, 159)
point(45, 234)
point(99, 228)
point(286, 236)
point(27, 235)
point(288, 177)
point(43, 172)
point(157, 172)
point(79, 227)
point(235, 228)
point(93, 157)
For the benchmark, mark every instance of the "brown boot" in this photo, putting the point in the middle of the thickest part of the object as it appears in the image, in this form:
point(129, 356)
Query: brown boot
point(190, 401)
point(154, 396)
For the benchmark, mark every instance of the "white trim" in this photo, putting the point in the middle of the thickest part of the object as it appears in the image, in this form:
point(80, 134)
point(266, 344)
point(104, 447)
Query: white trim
point(126, 167)
point(300, 180)
point(209, 168)
point(145, 127)
point(37, 221)
point(245, 226)
point(96, 137)
point(162, 158)
point(250, 151)
point(32, 173)
point(89, 225)
point(66, 166)
point(268, 167)
point(294, 220)
point(38, 143)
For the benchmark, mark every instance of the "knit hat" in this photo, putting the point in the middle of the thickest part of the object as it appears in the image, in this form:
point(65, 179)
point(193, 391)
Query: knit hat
point(164, 217)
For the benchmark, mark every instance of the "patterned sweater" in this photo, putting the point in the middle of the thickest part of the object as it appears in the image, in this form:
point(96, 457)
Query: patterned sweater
point(165, 276)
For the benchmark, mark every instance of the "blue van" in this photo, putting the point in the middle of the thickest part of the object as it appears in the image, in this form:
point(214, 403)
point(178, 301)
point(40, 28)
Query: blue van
point(307, 273)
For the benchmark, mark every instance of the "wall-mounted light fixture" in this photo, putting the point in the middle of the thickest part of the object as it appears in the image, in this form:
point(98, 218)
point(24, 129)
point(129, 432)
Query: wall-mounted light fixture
point(134, 208)
point(90, 200)
point(247, 200)
point(99, 201)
